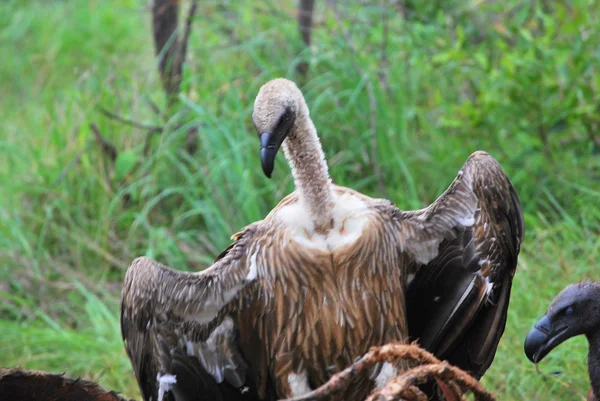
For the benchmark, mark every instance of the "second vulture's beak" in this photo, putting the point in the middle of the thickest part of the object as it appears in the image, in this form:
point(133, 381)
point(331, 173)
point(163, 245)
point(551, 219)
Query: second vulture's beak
point(543, 338)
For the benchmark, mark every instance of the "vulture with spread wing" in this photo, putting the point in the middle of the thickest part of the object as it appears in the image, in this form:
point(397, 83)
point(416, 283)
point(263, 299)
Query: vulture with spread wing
point(327, 274)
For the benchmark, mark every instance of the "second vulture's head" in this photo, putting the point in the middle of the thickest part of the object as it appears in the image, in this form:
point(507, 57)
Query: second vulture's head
point(575, 311)
point(277, 105)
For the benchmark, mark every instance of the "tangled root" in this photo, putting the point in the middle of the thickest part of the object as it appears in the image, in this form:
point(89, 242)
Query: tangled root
point(453, 382)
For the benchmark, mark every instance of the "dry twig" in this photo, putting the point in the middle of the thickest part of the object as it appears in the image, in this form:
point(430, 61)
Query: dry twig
point(401, 384)
point(151, 129)
point(105, 145)
point(404, 385)
point(155, 108)
point(127, 121)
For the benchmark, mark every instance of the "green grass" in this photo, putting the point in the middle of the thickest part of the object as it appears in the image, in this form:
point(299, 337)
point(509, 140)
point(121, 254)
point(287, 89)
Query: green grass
point(518, 79)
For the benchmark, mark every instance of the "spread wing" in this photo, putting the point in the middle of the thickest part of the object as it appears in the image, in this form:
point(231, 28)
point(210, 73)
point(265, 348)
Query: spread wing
point(464, 250)
point(180, 329)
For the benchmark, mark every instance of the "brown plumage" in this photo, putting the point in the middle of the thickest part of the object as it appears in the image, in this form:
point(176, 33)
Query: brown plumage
point(301, 294)
point(33, 385)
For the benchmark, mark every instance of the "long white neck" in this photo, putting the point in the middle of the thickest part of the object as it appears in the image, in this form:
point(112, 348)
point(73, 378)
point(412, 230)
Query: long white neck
point(303, 151)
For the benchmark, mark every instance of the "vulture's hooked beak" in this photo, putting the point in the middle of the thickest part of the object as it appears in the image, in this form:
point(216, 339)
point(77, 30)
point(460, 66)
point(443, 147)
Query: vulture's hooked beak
point(270, 141)
point(268, 151)
point(543, 338)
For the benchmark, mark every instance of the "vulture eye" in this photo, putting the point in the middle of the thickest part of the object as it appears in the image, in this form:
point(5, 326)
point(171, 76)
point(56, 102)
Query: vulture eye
point(569, 310)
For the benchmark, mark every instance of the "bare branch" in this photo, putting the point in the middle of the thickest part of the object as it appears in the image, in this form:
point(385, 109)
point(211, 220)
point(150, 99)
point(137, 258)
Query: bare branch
point(152, 129)
point(305, 18)
point(147, 141)
point(105, 145)
point(388, 353)
point(171, 48)
point(400, 384)
point(404, 385)
point(182, 43)
point(154, 107)
point(127, 121)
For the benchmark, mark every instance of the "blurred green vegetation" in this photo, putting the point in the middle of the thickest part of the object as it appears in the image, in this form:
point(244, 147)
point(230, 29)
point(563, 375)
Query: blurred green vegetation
point(399, 102)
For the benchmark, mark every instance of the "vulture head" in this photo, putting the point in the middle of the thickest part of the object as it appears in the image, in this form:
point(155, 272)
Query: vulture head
point(575, 311)
point(276, 108)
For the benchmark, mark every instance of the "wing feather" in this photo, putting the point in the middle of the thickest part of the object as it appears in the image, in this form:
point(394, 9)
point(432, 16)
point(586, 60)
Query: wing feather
point(464, 250)
point(180, 329)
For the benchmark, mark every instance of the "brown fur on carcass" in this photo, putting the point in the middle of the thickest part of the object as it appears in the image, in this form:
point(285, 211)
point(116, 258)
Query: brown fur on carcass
point(32, 385)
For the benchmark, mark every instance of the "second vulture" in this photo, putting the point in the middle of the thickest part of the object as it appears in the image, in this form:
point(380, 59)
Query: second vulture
point(575, 311)
point(327, 274)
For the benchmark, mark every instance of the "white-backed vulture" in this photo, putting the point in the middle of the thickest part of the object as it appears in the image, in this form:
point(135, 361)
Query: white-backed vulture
point(301, 294)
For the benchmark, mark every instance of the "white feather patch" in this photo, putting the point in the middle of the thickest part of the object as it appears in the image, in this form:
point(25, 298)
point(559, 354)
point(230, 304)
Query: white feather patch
point(423, 251)
point(253, 267)
point(489, 286)
point(298, 384)
point(466, 221)
point(388, 372)
point(165, 383)
point(350, 217)
point(299, 224)
point(296, 216)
